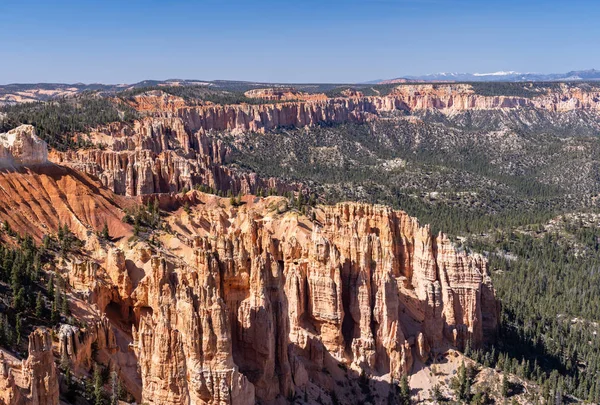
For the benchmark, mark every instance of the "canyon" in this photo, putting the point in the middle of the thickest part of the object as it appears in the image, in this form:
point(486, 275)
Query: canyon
point(254, 298)
point(234, 304)
point(175, 146)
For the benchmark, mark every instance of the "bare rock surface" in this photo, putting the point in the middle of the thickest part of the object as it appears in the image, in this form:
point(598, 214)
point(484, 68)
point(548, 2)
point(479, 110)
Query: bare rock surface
point(257, 302)
point(22, 147)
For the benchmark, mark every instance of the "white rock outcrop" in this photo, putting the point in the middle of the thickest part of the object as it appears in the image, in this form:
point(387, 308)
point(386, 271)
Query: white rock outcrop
point(22, 147)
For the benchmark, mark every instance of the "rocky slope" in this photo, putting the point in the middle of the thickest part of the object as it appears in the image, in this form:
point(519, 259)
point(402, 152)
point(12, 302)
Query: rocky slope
point(36, 201)
point(234, 305)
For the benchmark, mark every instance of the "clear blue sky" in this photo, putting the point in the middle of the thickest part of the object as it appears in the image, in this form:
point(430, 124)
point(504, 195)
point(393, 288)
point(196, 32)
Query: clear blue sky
point(126, 41)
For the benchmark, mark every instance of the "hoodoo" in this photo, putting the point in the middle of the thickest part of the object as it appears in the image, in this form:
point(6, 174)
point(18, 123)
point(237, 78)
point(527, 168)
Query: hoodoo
point(277, 239)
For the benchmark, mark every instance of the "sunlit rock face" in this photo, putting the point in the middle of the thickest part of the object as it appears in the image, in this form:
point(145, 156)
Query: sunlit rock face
point(259, 304)
point(173, 148)
point(22, 147)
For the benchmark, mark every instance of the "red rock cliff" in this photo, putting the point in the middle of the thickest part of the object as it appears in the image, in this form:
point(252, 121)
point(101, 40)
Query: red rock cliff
point(173, 148)
point(255, 305)
point(234, 305)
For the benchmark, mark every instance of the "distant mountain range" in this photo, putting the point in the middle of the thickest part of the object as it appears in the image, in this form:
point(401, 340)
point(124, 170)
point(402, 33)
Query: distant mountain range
point(510, 76)
point(16, 93)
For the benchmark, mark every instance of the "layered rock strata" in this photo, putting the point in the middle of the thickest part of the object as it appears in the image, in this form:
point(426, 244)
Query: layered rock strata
point(235, 305)
point(254, 305)
point(40, 371)
point(174, 147)
point(450, 98)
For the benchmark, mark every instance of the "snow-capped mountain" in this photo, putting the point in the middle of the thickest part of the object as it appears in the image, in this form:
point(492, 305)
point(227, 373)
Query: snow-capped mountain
point(502, 76)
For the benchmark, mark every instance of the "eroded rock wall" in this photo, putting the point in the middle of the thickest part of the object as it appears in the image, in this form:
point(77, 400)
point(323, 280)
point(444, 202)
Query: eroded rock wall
point(174, 148)
point(450, 98)
point(234, 305)
point(40, 371)
point(158, 155)
point(258, 305)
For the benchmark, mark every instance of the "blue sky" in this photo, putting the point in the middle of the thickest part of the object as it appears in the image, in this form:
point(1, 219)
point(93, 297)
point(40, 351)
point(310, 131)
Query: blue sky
point(126, 41)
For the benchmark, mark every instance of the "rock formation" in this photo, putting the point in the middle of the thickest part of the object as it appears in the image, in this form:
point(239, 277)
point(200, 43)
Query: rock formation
point(10, 394)
point(446, 98)
point(283, 94)
point(255, 304)
point(40, 370)
point(175, 146)
point(22, 147)
point(38, 199)
point(160, 155)
point(450, 98)
point(283, 298)
point(234, 305)
point(75, 344)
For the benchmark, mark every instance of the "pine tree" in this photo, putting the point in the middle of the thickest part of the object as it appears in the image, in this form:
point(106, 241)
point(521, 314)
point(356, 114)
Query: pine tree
point(98, 386)
point(116, 388)
point(404, 396)
point(50, 286)
point(39, 305)
point(467, 390)
point(468, 348)
point(16, 279)
point(18, 328)
point(505, 386)
point(19, 300)
point(60, 233)
point(104, 233)
point(54, 314)
point(462, 384)
point(436, 393)
point(6, 227)
point(137, 227)
point(65, 305)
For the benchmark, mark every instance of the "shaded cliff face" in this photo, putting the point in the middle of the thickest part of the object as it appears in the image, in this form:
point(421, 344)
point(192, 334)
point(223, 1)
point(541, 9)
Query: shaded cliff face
point(233, 305)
